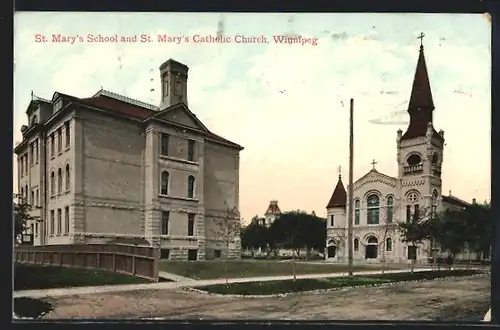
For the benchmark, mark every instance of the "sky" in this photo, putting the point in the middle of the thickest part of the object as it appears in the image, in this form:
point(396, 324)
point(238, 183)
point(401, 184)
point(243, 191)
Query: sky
point(287, 104)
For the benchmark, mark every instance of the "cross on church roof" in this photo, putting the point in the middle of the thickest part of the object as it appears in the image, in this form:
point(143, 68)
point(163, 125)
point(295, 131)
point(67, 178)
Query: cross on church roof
point(373, 163)
point(421, 37)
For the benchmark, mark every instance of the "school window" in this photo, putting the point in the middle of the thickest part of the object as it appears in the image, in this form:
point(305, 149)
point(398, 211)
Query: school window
point(191, 186)
point(32, 152)
point(36, 228)
point(59, 139)
point(59, 221)
point(52, 145)
point(191, 145)
point(52, 222)
point(36, 151)
point(66, 219)
point(191, 224)
point(332, 217)
point(165, 217)
point(408, 213)
point(416, 212)
point(164, 144)
point(67, 134)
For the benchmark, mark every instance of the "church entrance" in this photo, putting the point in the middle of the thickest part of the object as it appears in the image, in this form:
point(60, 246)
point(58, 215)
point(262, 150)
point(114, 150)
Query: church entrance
point(371, 249)
point(332, 251)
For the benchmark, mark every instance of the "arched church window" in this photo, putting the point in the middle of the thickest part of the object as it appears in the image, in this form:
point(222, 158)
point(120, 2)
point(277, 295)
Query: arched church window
point(390, 209)
point(373, 210)
point(435, 158)
point(356, 244)
point(414, 159)
point(356, 211)
point(388, 244)
point(434, 203)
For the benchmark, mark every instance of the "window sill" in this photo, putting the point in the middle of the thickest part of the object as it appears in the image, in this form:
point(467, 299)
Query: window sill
point(180, 160)
point(179, 198)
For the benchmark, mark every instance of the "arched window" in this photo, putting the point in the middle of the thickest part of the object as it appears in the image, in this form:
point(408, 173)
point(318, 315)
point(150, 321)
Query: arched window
point(372, 240)
point(414, 159)
point(34, 120)
point(26, 192)
point(388, 244)
point(356, 244)
point(164, 182)
point(373, 210)
point(191, 186)
point(68, 176)
point(22, 192)
point(435, 158)
point(59, 180)
point(390, 209)
point(412, 207)
point(356, 211)
point(52, 183)
point(434, 203)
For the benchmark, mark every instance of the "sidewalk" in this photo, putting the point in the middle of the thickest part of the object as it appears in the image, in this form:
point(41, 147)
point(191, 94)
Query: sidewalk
point(181, 284)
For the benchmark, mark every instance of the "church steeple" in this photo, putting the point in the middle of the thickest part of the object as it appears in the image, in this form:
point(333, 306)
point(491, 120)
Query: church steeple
point(339, 196)
point(421, 104)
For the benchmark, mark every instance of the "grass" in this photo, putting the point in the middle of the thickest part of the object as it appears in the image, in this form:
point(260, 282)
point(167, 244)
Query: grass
point(33, 277)
point(300, 285)
point(203, 270)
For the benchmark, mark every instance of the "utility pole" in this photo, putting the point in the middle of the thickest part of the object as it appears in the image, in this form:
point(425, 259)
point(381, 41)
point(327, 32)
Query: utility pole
point(349, 194)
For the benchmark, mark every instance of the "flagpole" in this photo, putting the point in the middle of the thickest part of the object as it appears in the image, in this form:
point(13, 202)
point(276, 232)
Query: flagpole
point(350, 192)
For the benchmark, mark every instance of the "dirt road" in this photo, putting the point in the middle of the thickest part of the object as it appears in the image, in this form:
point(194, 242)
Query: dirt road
point(449, 299)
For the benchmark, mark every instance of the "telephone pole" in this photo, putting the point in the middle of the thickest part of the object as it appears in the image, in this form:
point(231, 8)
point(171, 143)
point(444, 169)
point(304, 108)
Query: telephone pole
point(349, 193)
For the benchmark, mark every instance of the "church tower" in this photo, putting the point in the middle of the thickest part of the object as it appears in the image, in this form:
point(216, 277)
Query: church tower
point(173, 83)
point(336, 239)
point(420, 148)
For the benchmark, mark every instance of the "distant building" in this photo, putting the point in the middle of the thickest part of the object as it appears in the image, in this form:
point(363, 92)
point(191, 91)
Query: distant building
point(380, 200)
point(272, 213)
point(108, 168)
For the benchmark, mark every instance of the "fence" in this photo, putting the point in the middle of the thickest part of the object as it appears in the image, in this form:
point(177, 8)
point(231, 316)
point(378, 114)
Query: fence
point(133, 260)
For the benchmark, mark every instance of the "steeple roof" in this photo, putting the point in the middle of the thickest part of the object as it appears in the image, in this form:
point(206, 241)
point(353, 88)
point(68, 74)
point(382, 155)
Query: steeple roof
point(339, 196)
point(421, 95)
point(273, 208)
point(421, 104)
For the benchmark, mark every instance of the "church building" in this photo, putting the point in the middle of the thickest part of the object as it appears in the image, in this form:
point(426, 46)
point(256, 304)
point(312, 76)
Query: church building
point(380, 200)
point(110, 169)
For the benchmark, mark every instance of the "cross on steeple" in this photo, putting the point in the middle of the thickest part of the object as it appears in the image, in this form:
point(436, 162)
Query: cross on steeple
point(421, 37)
point(373, 163)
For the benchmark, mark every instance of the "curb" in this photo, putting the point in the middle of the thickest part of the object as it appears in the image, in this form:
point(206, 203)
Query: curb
point(347, 288)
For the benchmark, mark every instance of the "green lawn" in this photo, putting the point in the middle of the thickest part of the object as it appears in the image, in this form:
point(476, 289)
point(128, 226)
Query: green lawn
point(287, 286)
point(32, 277)
point(241, 268)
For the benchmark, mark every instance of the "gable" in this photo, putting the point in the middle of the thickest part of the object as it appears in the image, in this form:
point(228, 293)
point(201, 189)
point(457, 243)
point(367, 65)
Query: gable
point(374, 177)
point(181, 115)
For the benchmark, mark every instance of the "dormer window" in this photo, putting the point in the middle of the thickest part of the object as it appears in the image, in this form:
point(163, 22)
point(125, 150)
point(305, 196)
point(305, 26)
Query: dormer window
point(58, 105)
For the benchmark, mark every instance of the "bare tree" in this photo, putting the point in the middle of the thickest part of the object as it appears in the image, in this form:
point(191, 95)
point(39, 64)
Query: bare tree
point(228, 229)
point(386, 230)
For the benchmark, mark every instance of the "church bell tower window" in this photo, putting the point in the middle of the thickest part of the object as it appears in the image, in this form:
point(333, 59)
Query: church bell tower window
point(178, 87)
